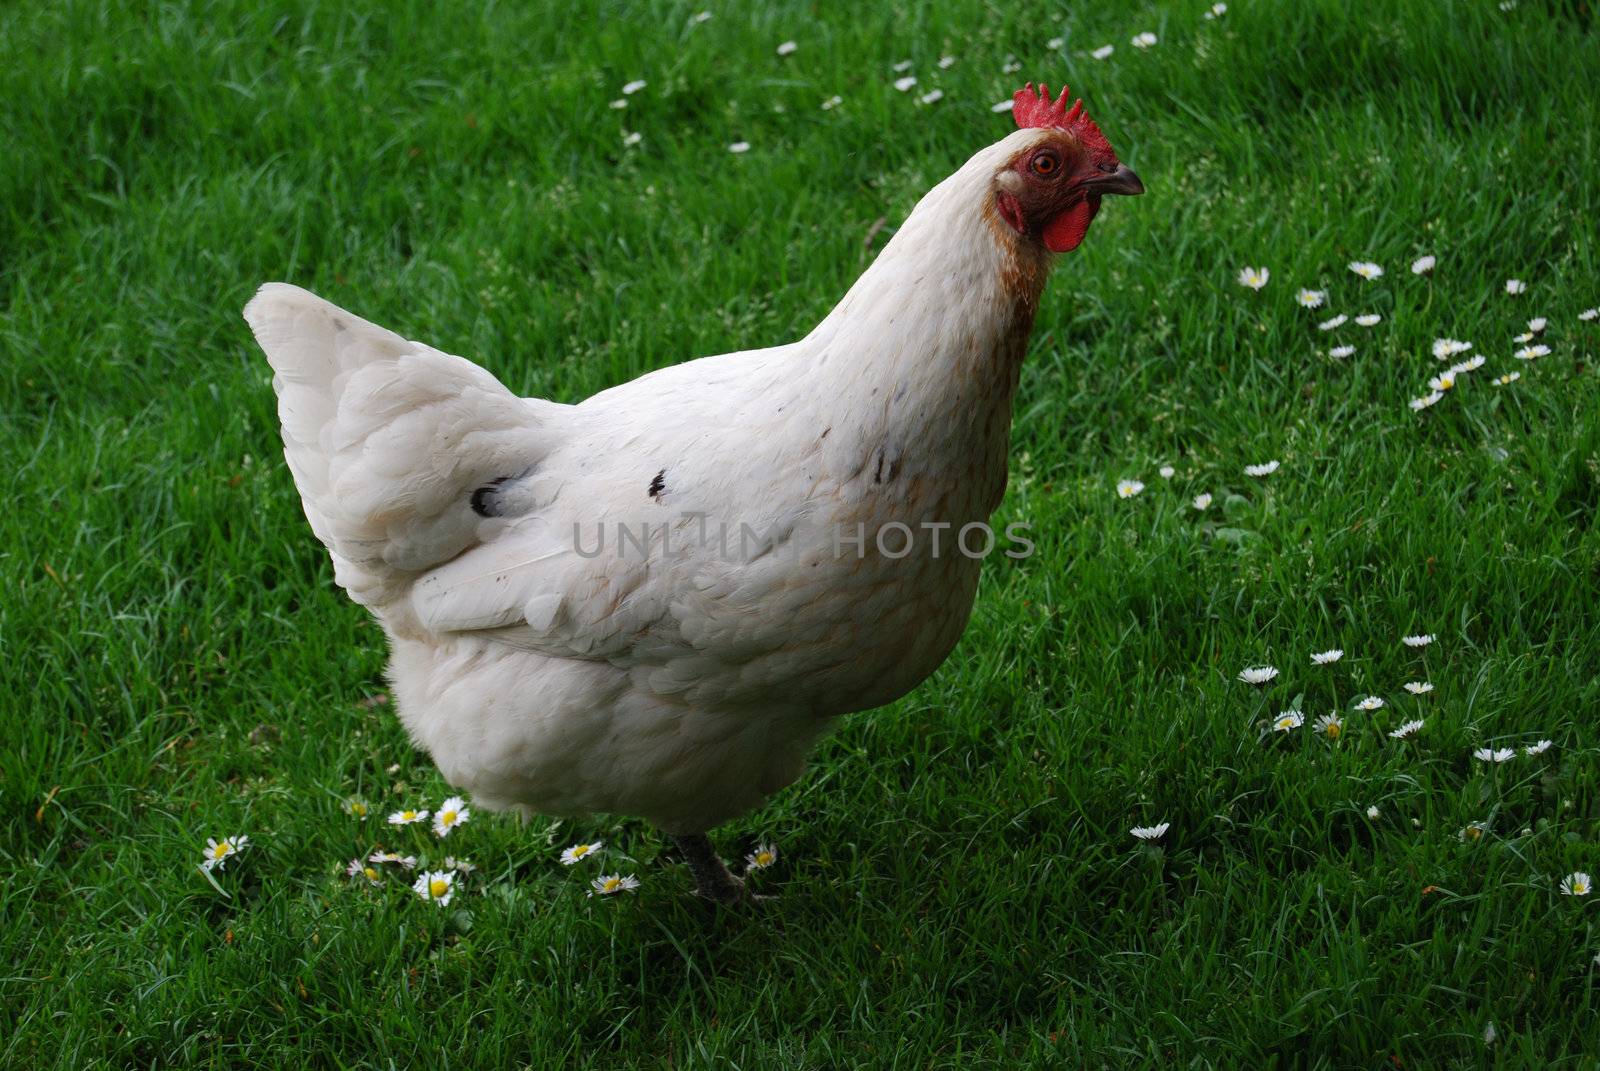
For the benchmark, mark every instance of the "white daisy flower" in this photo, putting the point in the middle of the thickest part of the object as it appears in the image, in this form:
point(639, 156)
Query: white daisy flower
point(218, 852)
point(1150, 832)
point(1421, 640)
point(368, 874)
point(1516, 286)
point(1254, 278)
point(1216, 11)
point(406, 818)
point(1406, 729)
point(619, 103)
point(1426, 400)
point(409, 862)
point(1526, 336)
point(1128, 488)
point(633, 87)
point(1537, 749)
point(580, 851)
point(1418, 687)
point(436, 885)
point(932, 96)
point(1102, 52)
point(1537, 325)
point(1143, 40)
point(1002, 106)
point(1471, 831)
point(1202, 502)
point(1445, 348)
point(832, 102)
point(358, 809)
point(460, 866)
point(1470, 364)
point(739, 147)
point(1528, 353)
point(1266, 468)
point(902, 67)
point(1576, 884)
point(1366, 269)
point(1258, 674)
point(764, 856)
point(1011, 66)
point(609, 884)
point(1289, 719)
point(1167, 472)
point(1323, 658)
point(631, 138)
point(1341, 352)
point(788, 48)
point(451, 813)
point(1373, 812)
point(946, 62)
point(1056, 44)
point(1442, 382)
point(1509, 377)
point(904, 84)
point(1488, 754)
point(1311, 299)
point(1371, 702)
point(1589, 314)
point(1329, 325)
point(1367, 319)
point(1423, 264)
point(1330, 725)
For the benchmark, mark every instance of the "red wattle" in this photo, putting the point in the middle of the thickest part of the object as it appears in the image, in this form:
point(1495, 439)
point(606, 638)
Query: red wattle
point(1064, 233)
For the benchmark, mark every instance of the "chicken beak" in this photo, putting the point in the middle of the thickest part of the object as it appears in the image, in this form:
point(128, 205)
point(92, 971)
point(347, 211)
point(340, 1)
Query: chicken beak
point(1122, 181)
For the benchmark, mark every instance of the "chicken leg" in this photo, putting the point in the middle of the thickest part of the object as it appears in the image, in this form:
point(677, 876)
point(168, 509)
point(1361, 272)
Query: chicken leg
point(712, 878)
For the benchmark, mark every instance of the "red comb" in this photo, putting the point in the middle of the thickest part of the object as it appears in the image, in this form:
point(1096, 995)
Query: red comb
point(1040, 111)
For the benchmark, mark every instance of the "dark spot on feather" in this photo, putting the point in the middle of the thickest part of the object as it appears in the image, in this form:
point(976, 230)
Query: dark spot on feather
point(483, 497)
point(825, 433)
point(658, 486)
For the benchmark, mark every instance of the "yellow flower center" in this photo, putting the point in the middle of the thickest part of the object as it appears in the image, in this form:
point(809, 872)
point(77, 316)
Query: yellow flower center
point(408, 815)
point(764, 858)
point(372, 875)
point(581, 850)
point(1334, 729)
point(612, 884)
point(448, 818)
point(438, 887)
point(358, 809)
point(1580, 887)
point(222, 849)
point(1473, 832)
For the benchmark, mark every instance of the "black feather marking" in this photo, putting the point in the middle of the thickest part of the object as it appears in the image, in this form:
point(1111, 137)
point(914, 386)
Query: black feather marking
point(658, 486)
point(483, 497)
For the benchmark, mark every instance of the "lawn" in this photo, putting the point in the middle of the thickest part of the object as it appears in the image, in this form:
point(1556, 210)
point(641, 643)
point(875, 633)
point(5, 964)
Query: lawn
point(957, 886)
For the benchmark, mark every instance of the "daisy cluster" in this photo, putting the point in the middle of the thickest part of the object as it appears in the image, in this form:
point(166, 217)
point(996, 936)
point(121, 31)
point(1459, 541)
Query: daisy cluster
point(918, 83)
point(1133, 488)
point(1335, 727)
point(605, 884)
point(436, 883)
point(1527, 346)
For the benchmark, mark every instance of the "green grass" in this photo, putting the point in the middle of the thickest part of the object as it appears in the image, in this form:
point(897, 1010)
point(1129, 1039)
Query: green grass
point(957, 886)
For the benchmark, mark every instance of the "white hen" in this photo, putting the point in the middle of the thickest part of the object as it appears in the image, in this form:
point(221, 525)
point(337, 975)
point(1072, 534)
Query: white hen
point(550, 662)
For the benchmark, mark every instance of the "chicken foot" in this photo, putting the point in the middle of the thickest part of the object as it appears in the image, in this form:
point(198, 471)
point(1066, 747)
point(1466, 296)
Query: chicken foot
point(712, 878)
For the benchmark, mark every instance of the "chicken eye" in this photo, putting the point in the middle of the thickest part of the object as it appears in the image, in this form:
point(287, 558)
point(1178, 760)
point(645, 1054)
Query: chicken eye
point(1046, 164)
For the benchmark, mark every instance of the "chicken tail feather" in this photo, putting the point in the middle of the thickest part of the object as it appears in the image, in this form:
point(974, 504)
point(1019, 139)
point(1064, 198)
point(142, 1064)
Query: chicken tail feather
point(390, 441)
